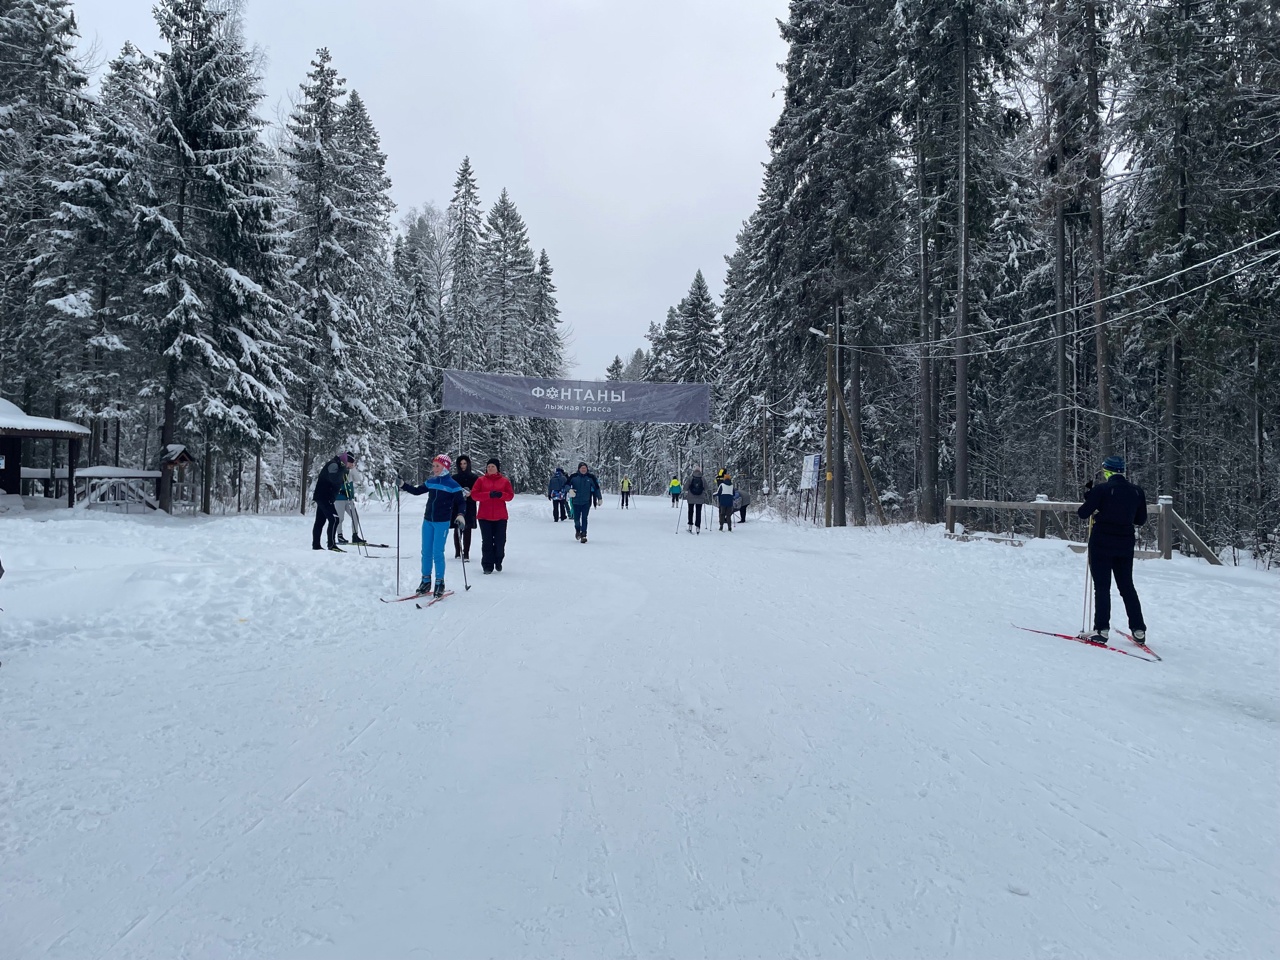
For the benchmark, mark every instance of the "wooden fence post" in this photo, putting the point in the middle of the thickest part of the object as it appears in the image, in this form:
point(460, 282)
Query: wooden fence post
point(1164, 527)
point(951, 517)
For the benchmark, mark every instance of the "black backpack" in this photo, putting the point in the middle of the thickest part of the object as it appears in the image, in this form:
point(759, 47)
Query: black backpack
point(696, 486)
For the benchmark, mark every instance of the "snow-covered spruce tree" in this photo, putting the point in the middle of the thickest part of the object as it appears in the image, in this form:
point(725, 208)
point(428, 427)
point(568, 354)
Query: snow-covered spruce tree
point(43, 109)
point(544, 346)
point(464, 343)
point(212, 247)
point(507, 284)
point(92, 276)
point(421, 264)
point(333, 394)
point(696, 347)
point(949, 56)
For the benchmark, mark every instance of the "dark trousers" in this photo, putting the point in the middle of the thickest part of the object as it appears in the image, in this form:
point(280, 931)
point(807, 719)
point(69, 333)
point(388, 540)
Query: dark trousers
point(626, 499)
point(493, 543)
point(742, 514)
point(580, 511)
point(462, 542)
point(326, 513)
point(559, 510)
point(1103, 566)
point(695, 509)
point(675, 499)
point(726, 517)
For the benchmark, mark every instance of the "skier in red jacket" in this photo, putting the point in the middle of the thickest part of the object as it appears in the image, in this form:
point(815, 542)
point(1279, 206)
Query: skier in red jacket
point(491, 493)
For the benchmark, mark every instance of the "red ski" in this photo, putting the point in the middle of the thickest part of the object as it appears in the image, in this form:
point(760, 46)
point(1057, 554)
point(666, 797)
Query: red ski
point(412, 596)
point(1140, 646)
point(434, 600)
point(1071, 636)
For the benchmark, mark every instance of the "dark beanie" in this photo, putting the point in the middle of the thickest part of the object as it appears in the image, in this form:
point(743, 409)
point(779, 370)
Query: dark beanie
point(496, 462)
point(1113, 464)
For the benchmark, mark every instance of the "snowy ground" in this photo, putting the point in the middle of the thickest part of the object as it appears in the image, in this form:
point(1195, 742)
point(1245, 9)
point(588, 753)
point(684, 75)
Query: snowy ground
point(784, 742)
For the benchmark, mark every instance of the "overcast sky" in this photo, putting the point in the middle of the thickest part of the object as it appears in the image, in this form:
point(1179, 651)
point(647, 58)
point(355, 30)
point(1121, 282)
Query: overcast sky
point(630, 135)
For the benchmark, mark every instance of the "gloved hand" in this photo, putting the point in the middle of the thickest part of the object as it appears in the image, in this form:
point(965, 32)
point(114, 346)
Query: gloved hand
point(1088, 486)
point(460, 521)
point(406, 488)
point(495, 494)
point(598, 501)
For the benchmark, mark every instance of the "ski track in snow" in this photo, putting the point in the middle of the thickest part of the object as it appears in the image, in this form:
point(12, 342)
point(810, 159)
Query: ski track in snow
point(779, 742)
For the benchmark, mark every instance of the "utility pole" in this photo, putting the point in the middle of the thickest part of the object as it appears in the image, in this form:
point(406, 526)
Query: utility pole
point(826, 466)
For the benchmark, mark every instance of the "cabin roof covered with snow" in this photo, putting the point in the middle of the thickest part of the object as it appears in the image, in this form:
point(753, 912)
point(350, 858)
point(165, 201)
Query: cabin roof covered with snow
point(15, 423)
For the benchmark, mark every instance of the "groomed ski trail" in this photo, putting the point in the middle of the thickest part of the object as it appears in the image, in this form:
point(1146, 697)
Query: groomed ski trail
point(780, 742)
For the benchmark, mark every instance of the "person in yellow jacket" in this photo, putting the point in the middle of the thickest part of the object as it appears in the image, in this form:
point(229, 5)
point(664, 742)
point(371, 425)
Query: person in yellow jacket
point(626, 493)
point(675, 490)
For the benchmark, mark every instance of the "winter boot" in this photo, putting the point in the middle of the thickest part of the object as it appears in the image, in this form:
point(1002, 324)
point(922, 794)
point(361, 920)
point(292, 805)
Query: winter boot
point(1098, 637)
point(359, 541)
point(1140, 637)
point(316, 546)
point(424, 587)
point(336, 549)
point(341, 538)
point(439, 590)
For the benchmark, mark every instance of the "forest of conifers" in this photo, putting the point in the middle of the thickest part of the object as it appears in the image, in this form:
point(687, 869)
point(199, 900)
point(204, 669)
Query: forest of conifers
point(1045, 232)
point(174, 271)
point(1048, 231)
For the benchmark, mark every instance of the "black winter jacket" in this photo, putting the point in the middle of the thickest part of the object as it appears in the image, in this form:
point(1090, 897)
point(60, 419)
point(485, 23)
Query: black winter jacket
point(1117, 507)
point(332, 475)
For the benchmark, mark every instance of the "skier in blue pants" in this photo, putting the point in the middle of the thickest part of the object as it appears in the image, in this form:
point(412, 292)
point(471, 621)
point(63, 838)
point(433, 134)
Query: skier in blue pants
point(445, 505)
point(584, 491)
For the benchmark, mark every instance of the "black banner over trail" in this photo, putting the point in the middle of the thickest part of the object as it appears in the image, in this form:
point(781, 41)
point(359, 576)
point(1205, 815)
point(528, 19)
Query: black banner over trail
point(471, 392)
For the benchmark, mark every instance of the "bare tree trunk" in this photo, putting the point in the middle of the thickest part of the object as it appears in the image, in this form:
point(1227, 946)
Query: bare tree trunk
point(839, 516)
point(206, 481)
point(928, 441)
point(855, 412)
point(1097, 246)
point(257, 480)
point(962, 285)
point(167, 428)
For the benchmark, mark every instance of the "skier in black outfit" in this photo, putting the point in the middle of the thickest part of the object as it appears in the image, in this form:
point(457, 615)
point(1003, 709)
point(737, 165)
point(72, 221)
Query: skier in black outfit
point(466, 480)
point(695, 494)
point(584, 491)
point(1117, 507)
point(332, 475)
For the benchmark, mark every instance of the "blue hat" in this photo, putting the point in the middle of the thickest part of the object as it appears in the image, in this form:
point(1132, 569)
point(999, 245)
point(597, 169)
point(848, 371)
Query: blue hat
point(1113, 464)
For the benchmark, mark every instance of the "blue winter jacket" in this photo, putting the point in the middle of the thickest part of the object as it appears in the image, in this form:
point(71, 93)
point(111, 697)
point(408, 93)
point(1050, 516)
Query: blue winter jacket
point(445, 499)
point(585, 487)
point(555, 488)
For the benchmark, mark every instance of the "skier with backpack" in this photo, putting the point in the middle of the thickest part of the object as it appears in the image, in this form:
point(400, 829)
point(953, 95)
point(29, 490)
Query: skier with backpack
point(444, 508)
point(557, 491)
point(1116, 507)
point(724, 499)
point(584, 491)
point(695, 495)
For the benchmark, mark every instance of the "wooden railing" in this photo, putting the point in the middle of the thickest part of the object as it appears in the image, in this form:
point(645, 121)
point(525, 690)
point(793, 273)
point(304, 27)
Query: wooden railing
point(1166, 520)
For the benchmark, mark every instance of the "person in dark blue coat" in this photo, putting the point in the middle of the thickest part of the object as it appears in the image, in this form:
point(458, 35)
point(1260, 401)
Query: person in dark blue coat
point(444, 507)
point(557, 491)
point(584, 491)
point(328, 486)
point(1117, 507)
